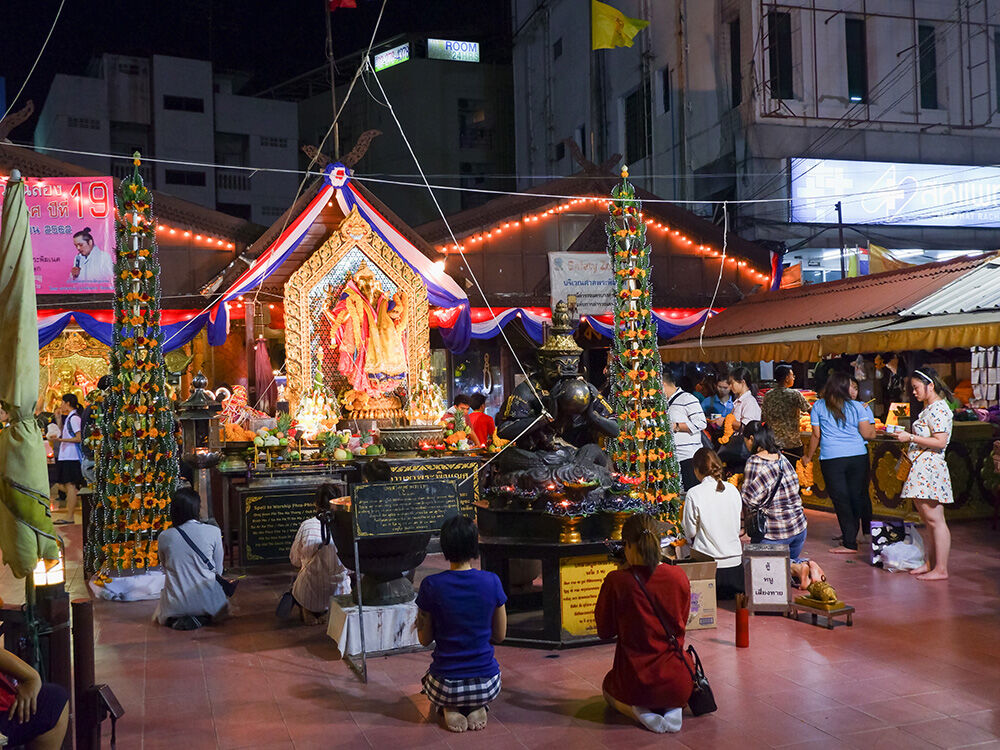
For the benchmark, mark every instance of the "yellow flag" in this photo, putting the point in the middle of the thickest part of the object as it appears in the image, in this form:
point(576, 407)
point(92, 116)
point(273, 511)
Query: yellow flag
point(881, 260)
point(610, 28)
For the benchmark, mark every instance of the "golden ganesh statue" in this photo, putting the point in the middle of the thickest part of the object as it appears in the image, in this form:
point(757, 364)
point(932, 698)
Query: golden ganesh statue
point(368, 334)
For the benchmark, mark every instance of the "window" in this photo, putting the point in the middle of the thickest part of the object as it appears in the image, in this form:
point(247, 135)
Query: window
point(779, 54)
point(272, 212)
point(927, 50)
point(857, 60)
point(185, 177)
point(270, 142)
point(735, 69)
point(473, 176)
point(474, 127)
point(184, 103)
point(85, 123)
point(665, 86)
point(637, 125)
point(239, 210)
point(560, 151)
point(232, 149)
point(557, 49)
point(996, 64)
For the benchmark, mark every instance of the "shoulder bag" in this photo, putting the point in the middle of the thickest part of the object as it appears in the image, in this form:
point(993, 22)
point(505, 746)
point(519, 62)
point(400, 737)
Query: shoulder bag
point(756, 515)
point(905, 463)
point(228, 584)
point(701, 701)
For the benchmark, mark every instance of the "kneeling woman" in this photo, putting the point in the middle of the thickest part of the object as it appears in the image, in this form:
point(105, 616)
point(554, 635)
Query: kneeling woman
point(191, 595)
point(648, 682)
point(461, 610)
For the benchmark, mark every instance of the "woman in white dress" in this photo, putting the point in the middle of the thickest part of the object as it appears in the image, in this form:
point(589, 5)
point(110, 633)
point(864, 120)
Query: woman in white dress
point(928, 484)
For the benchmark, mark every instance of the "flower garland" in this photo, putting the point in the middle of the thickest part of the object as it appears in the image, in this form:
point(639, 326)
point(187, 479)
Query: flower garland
point(136, 432)
point(643, 452)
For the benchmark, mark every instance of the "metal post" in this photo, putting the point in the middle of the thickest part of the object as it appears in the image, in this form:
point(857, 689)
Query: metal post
point(840, 232)
point(361, 614)
point(333, 81)
point(53, 609)
point(87, 718)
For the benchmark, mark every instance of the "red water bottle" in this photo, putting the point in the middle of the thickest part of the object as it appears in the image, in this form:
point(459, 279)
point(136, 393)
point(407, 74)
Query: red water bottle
point(742, 622)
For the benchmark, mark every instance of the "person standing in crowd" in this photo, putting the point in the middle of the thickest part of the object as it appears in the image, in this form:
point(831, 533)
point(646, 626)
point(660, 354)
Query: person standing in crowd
point(781, 410)
point(840, 427)
point(770, 483)
point(719, 404)
point(746, 408)
point(866, 506)
point(481, 423)
point(69, 472)
point(928, 484)
point(191, 596)
point(463, 612)
point(711, 520)
point(687, 420)
point(460, 404)
point(648, 681)
point(321, 573)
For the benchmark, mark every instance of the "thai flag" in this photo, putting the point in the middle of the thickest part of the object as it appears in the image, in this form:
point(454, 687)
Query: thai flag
point(776, 268)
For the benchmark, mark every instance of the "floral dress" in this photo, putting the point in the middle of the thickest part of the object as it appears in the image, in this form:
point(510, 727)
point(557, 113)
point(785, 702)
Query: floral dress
point(929, 478)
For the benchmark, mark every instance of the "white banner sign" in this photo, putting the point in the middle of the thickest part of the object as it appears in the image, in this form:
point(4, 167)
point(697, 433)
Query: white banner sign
point(588, 276)
point(874, 192)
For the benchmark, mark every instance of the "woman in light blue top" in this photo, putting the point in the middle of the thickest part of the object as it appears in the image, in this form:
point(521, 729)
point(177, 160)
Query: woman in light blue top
point(840, 427)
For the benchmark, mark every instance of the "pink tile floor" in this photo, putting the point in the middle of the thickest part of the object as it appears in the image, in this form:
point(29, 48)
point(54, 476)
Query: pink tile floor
point(919, 669)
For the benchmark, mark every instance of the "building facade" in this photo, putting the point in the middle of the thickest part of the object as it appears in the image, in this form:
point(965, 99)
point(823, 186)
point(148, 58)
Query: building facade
point(181, 110)
point(789, 104)
point(453, 98)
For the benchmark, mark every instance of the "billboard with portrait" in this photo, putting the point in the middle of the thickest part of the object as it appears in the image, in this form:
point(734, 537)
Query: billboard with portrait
point(72, 222)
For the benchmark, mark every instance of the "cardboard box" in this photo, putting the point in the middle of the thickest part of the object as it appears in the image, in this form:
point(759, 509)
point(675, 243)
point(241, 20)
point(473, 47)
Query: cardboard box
point(700, 571)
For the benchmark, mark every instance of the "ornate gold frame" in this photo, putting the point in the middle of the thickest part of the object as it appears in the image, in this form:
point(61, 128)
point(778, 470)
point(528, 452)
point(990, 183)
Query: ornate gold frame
point(353, 232)
point(71, 350)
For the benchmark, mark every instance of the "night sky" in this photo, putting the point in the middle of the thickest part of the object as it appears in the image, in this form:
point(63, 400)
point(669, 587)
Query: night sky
point(272, 41)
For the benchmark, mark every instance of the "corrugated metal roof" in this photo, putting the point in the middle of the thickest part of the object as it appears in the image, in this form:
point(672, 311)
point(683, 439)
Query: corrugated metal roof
point(977, 290)
point(874, 296)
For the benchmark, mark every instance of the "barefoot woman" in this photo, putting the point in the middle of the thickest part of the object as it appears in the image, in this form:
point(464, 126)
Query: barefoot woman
point(929, 483)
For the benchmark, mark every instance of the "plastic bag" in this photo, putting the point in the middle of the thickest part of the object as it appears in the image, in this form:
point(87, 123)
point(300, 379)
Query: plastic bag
point(906, 555)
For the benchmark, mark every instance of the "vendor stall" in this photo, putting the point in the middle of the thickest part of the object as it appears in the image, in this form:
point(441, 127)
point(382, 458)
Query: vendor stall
point(935, 314)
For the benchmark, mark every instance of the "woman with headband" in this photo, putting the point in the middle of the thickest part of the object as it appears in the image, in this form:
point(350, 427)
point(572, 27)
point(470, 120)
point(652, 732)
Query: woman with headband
point(928, 484)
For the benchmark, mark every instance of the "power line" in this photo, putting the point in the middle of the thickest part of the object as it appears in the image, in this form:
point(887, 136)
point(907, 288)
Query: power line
point(35, 64)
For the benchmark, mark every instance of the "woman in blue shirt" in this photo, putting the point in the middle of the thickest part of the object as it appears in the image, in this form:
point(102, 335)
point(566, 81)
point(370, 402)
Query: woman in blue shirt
point(463, 612)
point(840, 427)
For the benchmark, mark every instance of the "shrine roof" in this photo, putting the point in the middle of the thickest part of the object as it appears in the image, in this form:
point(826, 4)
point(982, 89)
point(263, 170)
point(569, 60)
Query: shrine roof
point(859, 298)
point(513, 207)
point(167, 208)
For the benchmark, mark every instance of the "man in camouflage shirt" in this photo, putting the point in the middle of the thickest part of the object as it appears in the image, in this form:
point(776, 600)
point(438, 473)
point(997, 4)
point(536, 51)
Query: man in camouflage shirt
point(781, 409)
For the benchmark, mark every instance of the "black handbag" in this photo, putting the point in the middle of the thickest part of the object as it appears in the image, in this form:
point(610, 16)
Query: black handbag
point(702, 701)
point(734, 454)
point(228, 584)
point(755, 521)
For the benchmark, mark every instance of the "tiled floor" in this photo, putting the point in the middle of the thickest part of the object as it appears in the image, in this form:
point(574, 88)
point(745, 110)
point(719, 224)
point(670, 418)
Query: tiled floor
point(919, 669)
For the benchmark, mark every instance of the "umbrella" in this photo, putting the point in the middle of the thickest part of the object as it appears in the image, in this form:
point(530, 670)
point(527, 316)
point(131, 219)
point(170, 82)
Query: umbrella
point(26, 532)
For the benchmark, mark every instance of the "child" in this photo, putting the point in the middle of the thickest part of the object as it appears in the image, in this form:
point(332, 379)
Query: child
point(461, 610)
point(321, 573)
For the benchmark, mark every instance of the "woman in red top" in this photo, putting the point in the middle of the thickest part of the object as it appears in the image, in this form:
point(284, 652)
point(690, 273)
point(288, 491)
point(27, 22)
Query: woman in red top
point(648, 681)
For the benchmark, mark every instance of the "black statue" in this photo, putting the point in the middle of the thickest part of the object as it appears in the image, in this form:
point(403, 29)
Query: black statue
point(556, 421)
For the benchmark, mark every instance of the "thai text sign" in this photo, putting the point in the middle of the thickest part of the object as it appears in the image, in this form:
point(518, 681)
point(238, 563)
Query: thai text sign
point(580, 580)
point(587, 275)
point(412, 507)
point(72, 223)
point(876, 192)
point(450, 49)
point(391, 57)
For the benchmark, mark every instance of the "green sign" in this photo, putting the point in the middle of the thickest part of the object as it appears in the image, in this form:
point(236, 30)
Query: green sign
point(391, 57)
